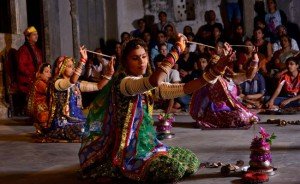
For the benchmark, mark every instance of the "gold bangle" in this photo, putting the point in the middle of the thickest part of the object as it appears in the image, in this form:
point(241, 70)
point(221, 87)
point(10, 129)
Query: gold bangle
point(205, 78)
point(106, 77)
point(208, 78)
point(164, 69)
point(166, 64)
point(174, 55)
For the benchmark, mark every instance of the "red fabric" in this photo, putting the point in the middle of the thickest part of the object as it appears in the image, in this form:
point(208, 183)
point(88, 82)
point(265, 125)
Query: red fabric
point(37, 102)
point(241, 59)
point(255, 177)
point(26, 69)
point(291, 87)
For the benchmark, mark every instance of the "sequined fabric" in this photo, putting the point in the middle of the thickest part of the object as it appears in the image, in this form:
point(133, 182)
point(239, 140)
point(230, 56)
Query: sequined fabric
point(216, 106)
point(126, 134)
point(37, 106)
point(67, 127)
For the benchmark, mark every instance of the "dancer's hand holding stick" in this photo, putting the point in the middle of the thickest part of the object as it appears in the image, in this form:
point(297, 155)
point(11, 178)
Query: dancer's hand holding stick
point(98, 53)
point(83, 54)
point(224, 61)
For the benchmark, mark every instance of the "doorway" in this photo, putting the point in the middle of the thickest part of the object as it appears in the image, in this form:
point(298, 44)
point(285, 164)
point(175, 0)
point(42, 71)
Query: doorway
point(35, 18)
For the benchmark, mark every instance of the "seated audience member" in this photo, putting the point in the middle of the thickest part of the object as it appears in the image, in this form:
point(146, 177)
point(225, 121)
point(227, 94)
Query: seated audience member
point(163, 22)
point(170, 105)
point(95, 67)
point(117, 54)
point(163, 51)
point(202, 62)
point(244, 57)
point(147, 38)
point(187, 30)
point(238, 36)
point(210, 18)
point(217, 36)
point(138, 33)
point(203, 35)
point(192, 46)
point(161, 39)
point(264, 46)
point(261, 23)
point(278, 65)
point(274, 18)
point(125, 37)
point(186, 62)
point(287, 93)
point(170, 34)
point(281, 31)
point(252, 91)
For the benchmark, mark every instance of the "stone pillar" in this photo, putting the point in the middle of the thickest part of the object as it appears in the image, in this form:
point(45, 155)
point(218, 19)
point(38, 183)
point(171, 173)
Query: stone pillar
point(75, 28)
point(249, 14)
point(18, 16)
point(111, 19)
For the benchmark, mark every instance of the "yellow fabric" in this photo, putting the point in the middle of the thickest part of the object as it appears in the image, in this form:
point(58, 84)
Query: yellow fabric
point(29, 30)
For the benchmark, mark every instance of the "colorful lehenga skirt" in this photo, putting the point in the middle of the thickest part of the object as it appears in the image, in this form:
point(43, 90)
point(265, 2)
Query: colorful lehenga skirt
point(216, 106)
point(127, 146)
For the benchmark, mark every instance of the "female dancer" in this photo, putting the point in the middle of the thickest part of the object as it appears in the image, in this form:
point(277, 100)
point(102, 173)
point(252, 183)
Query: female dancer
point(66, 118)
point(119, 138)
point(216, 105)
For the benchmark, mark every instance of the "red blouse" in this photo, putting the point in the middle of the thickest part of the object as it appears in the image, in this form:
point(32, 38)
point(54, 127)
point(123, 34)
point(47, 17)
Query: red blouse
point(291, 87)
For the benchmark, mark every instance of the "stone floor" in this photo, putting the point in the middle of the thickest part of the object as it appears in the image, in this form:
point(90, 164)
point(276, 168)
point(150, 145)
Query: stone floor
point(23, 161)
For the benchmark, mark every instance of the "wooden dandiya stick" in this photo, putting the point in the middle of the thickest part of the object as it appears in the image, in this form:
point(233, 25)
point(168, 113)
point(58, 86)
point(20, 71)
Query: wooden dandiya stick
point(241, 46)
point(201, 44)
point(197, 43)
point(98, 53)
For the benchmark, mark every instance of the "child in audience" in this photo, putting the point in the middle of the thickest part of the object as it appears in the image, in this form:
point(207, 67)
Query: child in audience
point(287, 93)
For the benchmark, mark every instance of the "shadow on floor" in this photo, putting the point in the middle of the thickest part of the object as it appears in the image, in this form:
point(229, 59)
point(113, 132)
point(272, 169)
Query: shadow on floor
point(64, 175)
point(202, 176)
point(18, 121)
point(17, 137)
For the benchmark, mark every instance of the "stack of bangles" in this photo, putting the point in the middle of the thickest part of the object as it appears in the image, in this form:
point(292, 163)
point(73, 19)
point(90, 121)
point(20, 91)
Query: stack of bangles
point(170, 60)
point(215, 72)
point(80, 66)
point(211, 76)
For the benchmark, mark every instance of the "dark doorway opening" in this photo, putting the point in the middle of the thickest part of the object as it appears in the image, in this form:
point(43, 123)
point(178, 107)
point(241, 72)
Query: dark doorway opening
point(35, 18)
point(5, 16)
